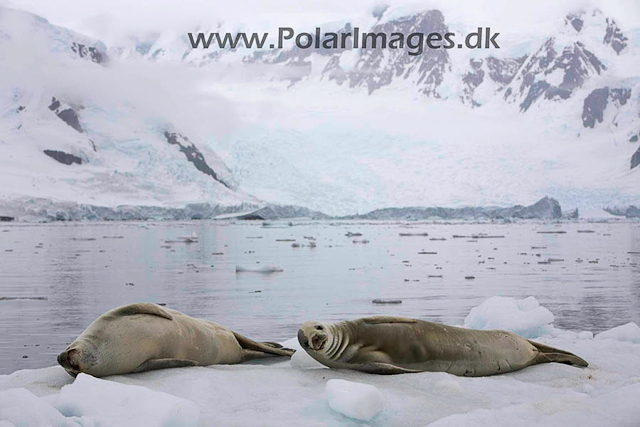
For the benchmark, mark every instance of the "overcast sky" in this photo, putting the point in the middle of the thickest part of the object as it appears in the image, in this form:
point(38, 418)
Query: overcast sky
point(114, 19)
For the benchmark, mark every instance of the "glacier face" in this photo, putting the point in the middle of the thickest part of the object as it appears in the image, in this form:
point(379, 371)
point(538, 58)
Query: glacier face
point(341, 131)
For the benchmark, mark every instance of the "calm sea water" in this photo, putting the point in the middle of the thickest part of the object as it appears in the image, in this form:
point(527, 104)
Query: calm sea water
point(57, 278)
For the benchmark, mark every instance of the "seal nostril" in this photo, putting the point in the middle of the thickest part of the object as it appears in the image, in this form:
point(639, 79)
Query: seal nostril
point(68, 359)
point(62, 359)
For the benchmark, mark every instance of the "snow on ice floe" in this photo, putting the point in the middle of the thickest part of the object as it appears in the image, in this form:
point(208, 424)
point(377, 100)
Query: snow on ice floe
point(613, 409)
point(355, 400)
point(20, 407)
point(278, 391)
point(525, 317)
point(629, 332)
point(91, 401)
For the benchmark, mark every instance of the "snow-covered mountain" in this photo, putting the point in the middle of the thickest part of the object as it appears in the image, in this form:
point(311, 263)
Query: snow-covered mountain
point(521, 72)
point(344, 131)
point(62, 140)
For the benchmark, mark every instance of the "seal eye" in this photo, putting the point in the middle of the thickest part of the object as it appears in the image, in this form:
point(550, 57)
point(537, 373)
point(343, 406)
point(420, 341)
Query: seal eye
point(319, 327)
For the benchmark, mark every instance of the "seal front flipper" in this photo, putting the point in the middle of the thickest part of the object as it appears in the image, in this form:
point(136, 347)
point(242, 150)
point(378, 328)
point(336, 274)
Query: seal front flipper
point(153, 364)
point(551, 354)
point(382, 368)
point(140, 308)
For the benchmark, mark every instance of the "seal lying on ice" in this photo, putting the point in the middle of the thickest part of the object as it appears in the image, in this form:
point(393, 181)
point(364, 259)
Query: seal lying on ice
point(141, 337)
point(396, 345)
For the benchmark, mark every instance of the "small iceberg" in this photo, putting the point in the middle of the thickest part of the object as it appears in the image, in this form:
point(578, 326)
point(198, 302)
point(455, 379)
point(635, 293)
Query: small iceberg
point(264, 269)
point(355, 400)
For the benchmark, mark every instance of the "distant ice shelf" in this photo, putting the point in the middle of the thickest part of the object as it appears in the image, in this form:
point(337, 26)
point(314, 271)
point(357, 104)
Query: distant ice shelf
point(45, 210)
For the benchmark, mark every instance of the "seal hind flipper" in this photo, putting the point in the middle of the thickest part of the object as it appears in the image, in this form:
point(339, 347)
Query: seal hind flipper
point(141, 308)
point(272, 344)
point(375, 320)
point(382, 368)
point(551, 354)
point(269, 348)
point(153, 364)
point(248, 355)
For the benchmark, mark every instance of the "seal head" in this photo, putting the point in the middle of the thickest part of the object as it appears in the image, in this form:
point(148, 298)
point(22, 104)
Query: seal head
point(314, 336)
point(80, 356)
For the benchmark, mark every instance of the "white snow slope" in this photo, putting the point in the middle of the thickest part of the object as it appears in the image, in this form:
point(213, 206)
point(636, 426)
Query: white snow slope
point(276, 393)
point(117, 115)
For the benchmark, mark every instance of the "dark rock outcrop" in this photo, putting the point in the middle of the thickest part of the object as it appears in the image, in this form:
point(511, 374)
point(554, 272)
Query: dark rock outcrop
point(594, 106)
point(536, 89)
point(500, 71)
point(472, 80)
point(62, 157)
point(193, 154)
point(575, 20)
point(377, 67)
point(67, 115)
point(614, 36)
point(576, 63)
point(504, 70)
point(94, 53)
point(596, 103)
point(635, 159)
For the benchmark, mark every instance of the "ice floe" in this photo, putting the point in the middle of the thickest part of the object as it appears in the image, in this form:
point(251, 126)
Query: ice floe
point(273, 392)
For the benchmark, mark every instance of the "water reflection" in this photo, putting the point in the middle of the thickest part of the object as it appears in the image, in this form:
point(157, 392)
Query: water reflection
point(590, 281)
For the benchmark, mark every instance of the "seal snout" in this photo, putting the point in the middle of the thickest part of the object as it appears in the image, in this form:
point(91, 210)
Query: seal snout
point(68, 359)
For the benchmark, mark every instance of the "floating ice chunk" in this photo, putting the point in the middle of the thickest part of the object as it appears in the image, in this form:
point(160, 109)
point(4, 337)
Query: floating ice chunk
point(264, 269)
point(386, 301)
point(189, 239)
point(20, 407)
point(524, 317)
point(628, 332)
point(355, 400)
point(109, 403)
point(301, 358)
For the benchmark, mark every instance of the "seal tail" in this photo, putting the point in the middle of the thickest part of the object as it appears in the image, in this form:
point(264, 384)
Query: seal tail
point(269, 348)
point(550, 354)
